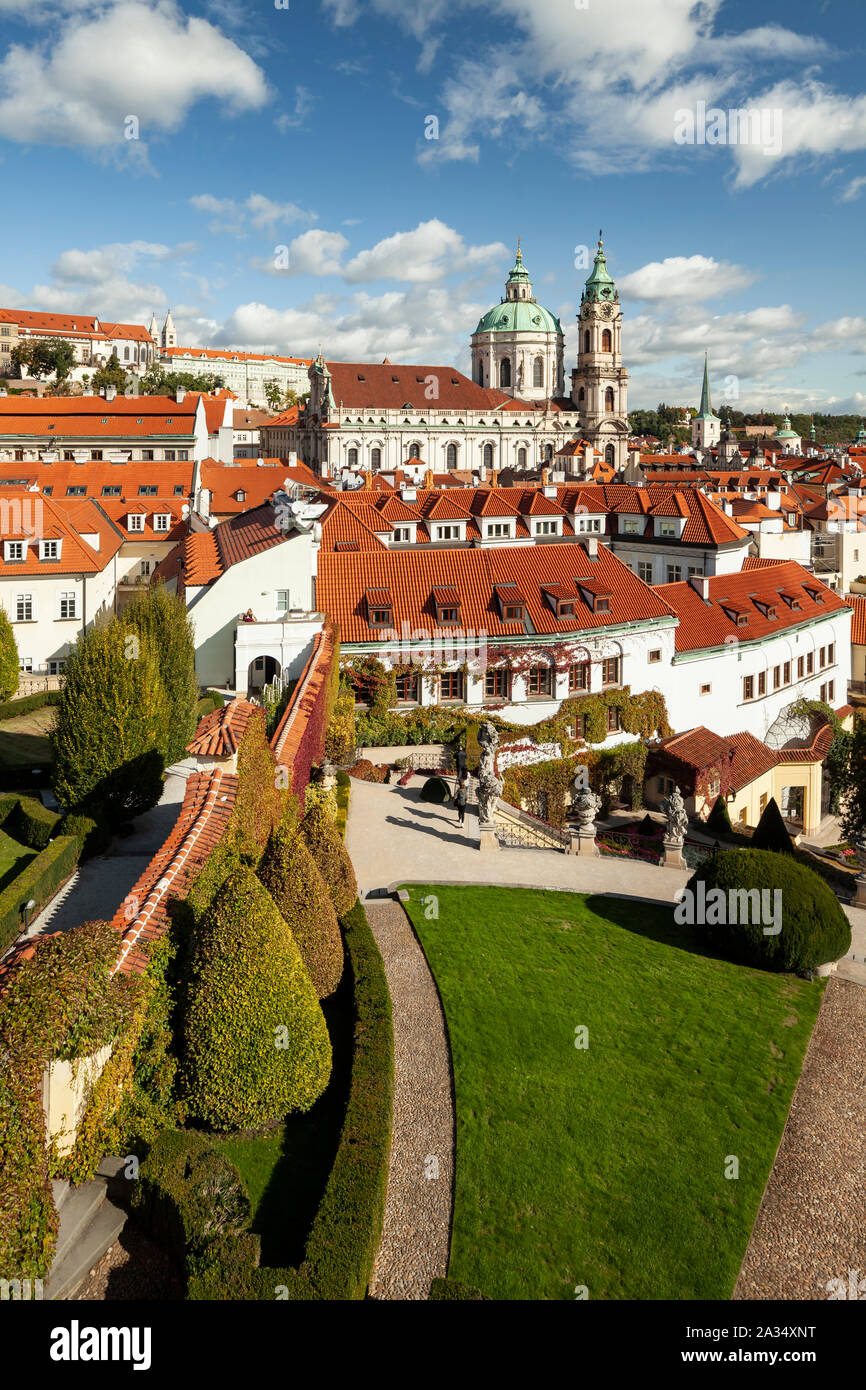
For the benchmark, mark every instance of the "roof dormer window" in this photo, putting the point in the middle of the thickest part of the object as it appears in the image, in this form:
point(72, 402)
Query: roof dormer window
point(15, 552)
point(380, 608)
point(50, 550)
point(446, 601)
point(135, 521)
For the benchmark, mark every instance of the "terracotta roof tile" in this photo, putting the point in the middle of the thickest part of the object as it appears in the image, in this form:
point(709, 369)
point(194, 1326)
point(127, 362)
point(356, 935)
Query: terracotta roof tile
point(708, 624)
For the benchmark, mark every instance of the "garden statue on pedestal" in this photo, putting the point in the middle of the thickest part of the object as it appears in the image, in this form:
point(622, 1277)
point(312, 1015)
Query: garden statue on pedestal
point(678, 821)
point(489, 785)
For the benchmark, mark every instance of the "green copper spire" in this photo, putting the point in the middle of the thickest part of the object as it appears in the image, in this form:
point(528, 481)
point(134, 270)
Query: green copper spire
point(519, 274)
point(706, 410)
point(812, 430)
point(786, 432)
point(600, 285)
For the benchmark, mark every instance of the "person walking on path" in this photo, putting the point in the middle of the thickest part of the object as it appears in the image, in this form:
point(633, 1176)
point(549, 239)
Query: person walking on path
point(460, 801)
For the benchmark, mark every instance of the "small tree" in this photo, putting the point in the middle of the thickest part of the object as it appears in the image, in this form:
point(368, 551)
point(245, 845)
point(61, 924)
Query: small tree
point(111, 726)
point(8, 658)
point(112, 374)
point(273, 395)
point(770, 832)
point(289, 873)
point(332, 859)
point(256, 1041)
point(43, 357)
point(161, 620)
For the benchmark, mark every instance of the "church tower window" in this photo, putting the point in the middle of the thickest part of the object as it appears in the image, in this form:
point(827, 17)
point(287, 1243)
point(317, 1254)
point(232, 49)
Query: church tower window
point(586, 341)
point(606, 341)
point(505, 372)
point(610, 454)
point(608, 398)
point(538, 372)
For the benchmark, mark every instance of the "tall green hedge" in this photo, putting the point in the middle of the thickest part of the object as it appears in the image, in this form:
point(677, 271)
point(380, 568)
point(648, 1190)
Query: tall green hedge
point(10, 709)
point(189, 1193)
point(9, 673)
point(343, 1240)
point(163, 623)
point(332, 858)
point(289, 873)
point(256, 1041)
point(111, 725)
point(38, 880)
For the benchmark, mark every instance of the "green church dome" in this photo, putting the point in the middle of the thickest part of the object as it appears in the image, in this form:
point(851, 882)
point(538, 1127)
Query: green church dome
point(518, 311)
point(520, 315)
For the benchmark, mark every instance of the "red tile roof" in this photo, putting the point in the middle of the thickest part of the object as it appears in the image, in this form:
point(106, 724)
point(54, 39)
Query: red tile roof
point(229, 355)
point(708, 624)
point(219, 734)
point(412, 575)
point(387, 386)
point(857, 602)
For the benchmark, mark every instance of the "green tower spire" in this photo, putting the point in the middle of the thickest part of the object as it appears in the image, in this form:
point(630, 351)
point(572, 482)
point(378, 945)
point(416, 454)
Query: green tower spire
point(600, 284)
point(519, 274)
point(706, 410)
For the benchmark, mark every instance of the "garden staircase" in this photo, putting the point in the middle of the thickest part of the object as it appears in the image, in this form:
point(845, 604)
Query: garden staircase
point(89, 1223)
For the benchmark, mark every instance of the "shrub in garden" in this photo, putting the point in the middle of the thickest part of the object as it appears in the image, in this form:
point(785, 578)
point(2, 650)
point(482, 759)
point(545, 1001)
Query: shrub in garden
point(289, 873)
point(340, 734)
point(92, 833)
point(719, 820)
point(33, 824)
point(769, 890)
point(332, 859)
point(111, 722)
point(162, 622)
point(770, 832)
point(188, 1194)
point(8, 657)
point(256, 1042)
point(437, 790)
point(259, 803)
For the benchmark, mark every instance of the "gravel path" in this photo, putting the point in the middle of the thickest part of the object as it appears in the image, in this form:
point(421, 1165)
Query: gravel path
point(417, 1227)
point(811, 1228)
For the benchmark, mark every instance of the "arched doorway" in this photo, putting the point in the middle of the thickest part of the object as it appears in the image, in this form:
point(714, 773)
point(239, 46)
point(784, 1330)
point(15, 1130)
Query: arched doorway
point(261, 671)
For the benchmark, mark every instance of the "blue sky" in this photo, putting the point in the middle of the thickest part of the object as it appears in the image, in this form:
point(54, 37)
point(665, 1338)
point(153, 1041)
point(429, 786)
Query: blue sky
point(281, 190)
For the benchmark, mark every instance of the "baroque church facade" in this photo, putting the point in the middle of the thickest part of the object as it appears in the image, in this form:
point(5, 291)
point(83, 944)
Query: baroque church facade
point(513, 413)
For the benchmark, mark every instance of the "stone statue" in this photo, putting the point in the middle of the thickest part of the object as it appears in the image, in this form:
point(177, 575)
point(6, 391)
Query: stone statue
point(489, 785)
point(587, 805)
point(678, 821)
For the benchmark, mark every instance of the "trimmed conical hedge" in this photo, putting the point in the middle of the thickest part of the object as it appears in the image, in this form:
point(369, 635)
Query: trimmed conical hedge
point(332, 859)
point(256, 1041)
point(771, 832)
point(805, 924)
point(289, 873)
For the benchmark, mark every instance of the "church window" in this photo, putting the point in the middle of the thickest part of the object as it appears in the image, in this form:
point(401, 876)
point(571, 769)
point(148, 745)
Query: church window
point(375, 458)
point(606, 341)
point(608, 398)
point(586, 342)
point(451, 456)
point(505, 372)
point(538, 372)
point(414, 451)
point(548, 452)
point(521, 458)
point(479, 372)
point(353, 458)
point(487, 456)
point(609, 454)
point(581, 395)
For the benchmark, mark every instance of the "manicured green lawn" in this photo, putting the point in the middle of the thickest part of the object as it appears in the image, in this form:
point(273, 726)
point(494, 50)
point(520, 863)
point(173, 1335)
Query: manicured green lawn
point(24, 740)
point(605, 1166)
point(286, 1171)
point(13, 857)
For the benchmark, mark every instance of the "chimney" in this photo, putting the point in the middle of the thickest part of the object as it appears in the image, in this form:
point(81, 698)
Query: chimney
point(701, 586)
point(591, 544)
point(409, 494)
point(179, 394)
point(3, 391)
point(110, 393)
point(204, 504)
point(293, 459)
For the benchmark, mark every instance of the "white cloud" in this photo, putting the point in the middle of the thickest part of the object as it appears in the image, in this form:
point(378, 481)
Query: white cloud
point(684, 278)
point(99, 264)
point(304, 103)
point(257, 212)
point(853, 189)
point(316, 252)
point(815, 121)
point(428, 252)
point(133, 58)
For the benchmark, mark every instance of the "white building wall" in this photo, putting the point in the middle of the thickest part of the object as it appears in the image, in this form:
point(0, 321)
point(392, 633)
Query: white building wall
point(724, 709)
point(252, 583)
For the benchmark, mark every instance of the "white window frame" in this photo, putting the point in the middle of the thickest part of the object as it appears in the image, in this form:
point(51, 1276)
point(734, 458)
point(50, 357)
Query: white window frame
point(11, 548)
point(135, 522)
point(65, 595)
point(162, 522)
point(281, 599)
point(25, 601)
point(50, 549)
